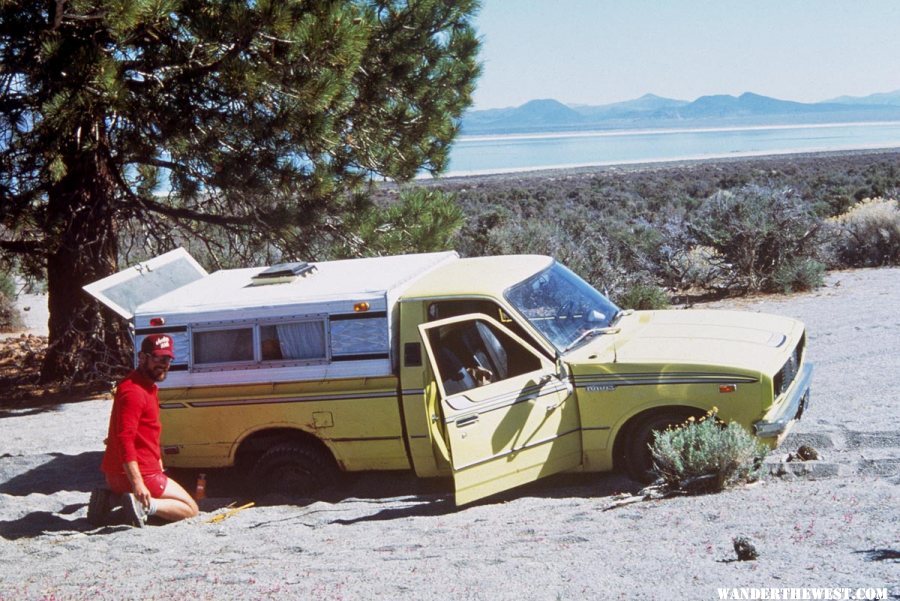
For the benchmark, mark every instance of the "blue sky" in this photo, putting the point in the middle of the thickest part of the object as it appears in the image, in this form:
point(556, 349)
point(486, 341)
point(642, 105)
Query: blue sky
point(602, 51)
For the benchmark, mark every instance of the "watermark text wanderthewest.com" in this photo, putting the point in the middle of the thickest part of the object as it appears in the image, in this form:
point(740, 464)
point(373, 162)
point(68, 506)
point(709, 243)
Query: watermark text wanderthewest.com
point(787, 594)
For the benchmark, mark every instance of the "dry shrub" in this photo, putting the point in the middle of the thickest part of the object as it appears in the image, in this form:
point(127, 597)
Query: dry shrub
point(10, 318)
point(698, 266)
point(757, 230)
point(643, 297)
point(868, 235)
point(706, 456)
point(799, 275)
point(571, 240)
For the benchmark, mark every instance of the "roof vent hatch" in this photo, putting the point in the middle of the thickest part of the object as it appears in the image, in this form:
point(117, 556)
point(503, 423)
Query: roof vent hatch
point(283, 273)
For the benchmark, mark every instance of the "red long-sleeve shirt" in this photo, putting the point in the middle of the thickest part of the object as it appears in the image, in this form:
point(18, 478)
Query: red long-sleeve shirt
point(134, 427)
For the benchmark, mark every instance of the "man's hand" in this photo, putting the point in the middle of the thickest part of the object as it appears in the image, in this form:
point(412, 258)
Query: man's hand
point(141, 493)
point(138, 488)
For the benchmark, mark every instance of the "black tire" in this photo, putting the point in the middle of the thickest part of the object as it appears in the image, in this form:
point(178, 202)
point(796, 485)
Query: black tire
point(294, 470)
point(638, 460)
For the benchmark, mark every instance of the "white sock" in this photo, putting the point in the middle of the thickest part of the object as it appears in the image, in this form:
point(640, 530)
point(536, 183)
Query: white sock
point(152, 509)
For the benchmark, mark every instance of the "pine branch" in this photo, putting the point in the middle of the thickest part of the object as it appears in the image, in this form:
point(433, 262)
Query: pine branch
point(185, 213)
point(23, 247)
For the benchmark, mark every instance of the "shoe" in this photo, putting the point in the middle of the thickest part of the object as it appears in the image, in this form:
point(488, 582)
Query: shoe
point(99, 506)
point(134, 511)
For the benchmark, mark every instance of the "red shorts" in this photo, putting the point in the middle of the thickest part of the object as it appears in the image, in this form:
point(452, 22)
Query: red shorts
point(155, 483)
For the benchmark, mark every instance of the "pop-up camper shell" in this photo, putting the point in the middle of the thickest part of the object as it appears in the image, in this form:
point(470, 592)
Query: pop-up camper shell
point(291, 322)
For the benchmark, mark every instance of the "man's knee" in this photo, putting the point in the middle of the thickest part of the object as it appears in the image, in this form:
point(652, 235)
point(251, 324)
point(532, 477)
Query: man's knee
point(174, 492)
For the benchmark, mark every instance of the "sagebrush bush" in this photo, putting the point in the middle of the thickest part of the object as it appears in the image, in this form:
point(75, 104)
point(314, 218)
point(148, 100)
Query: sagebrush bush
point(643, 297)
point(867, 235)
point(706, 455)
point(569, 239)
point(799, 275)
point(10, 319)
point(7, 285)
point(621, 226)
point(757, 230)
point(700, 267)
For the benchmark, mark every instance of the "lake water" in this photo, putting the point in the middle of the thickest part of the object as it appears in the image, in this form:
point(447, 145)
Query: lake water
point(473, 155)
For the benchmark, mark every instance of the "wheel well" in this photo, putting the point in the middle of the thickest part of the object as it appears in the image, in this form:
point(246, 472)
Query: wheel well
point(252, 447)
point(628, 427)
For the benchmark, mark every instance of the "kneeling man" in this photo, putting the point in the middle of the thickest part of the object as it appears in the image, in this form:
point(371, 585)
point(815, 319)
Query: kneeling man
point(132, 462)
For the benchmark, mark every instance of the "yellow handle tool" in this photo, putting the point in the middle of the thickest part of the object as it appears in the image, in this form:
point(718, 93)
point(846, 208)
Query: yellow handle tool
point(229, 513)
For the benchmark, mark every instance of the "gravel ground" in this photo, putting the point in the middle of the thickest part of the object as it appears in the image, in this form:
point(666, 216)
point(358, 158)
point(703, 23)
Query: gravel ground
point(826, 524)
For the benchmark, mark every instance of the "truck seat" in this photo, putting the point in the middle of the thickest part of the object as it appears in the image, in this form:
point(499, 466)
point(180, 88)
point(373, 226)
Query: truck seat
point(456, 377)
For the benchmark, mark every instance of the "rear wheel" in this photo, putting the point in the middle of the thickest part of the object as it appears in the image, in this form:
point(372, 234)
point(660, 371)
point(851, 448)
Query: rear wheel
point(295, 470)
point(637, 455)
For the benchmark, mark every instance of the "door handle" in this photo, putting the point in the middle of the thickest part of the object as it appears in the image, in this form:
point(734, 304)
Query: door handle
point(466, 421)
point(555, 405)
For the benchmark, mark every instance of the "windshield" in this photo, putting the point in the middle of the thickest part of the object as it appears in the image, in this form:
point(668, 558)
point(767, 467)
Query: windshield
point(562, 306)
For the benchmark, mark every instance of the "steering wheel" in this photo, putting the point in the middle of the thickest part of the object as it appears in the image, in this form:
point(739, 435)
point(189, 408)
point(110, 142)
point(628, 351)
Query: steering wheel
point(567, 309)
point(482, 375)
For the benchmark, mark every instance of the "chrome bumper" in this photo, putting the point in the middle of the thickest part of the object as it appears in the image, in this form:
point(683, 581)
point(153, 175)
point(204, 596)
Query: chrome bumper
point(778, 422)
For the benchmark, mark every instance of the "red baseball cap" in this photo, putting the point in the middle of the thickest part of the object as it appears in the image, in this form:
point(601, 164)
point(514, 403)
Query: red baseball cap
point(158, 345)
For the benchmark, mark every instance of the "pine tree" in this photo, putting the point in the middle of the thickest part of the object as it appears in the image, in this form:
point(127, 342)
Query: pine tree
point(250, 117)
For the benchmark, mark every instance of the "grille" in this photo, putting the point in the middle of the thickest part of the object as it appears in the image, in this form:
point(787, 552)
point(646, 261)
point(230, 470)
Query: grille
point(785, 376)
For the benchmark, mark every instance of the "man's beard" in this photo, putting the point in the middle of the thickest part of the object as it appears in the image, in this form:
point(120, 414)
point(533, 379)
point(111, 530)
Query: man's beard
point(156, 373)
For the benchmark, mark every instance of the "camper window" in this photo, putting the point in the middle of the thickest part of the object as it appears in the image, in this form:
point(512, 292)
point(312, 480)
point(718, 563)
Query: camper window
point(292, 341)
point(223, 346)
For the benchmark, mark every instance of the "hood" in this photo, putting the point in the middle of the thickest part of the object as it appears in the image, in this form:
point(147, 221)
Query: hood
point(732, 339)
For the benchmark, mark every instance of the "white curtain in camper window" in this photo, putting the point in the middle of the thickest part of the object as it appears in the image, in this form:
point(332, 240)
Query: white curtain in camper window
point(304, 340)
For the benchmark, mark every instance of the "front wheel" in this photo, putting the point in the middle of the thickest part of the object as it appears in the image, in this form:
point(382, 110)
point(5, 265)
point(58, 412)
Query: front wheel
point(295, 470)
point(638, 458)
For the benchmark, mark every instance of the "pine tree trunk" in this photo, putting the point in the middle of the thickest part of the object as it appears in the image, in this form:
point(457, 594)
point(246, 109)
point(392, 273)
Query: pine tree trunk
point(86, 343)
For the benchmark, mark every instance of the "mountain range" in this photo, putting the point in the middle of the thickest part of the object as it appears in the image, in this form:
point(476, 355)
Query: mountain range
point(748, 109)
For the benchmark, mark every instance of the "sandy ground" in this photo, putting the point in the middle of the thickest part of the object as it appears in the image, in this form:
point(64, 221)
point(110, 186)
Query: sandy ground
point(35, 315)
point(833, 523)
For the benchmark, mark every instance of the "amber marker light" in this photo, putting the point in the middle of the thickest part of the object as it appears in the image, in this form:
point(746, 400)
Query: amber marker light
point(360, 307)
point(727, 388)
point(157, 321)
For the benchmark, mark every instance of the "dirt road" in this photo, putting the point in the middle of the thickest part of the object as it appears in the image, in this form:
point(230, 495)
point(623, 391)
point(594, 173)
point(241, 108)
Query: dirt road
point(833, 523)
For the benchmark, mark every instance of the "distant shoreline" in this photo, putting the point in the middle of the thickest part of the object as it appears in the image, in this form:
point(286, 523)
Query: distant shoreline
point(488, 137)
point(626, 167)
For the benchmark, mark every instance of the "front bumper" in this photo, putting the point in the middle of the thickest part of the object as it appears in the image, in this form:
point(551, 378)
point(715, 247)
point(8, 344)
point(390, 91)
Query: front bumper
point(780, 420)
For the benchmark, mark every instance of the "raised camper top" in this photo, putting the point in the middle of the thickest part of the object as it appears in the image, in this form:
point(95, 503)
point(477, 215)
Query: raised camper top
point(333, 316)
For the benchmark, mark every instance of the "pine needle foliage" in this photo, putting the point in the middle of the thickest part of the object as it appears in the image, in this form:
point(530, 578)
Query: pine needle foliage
point(420, 220)
point(246, 124)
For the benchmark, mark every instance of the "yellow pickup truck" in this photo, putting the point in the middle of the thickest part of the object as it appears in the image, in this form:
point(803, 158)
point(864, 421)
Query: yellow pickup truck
point(496, 371)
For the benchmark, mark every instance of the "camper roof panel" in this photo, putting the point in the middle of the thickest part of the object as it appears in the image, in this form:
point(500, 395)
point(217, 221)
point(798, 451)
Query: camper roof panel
point(353, 280)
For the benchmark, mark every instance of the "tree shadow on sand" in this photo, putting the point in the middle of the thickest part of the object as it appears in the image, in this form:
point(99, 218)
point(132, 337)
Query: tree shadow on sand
point(38, 523)
point(47, 475)
point(62, 472)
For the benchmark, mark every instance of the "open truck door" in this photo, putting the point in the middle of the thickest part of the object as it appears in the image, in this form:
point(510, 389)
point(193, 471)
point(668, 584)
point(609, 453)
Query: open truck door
point(505, 415)
point(123, 292)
